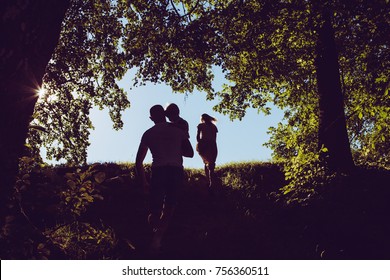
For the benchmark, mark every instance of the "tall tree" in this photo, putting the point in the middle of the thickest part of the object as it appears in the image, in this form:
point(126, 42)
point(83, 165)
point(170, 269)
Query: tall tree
point(29, 32)
point(332, 130)
point(362, 48)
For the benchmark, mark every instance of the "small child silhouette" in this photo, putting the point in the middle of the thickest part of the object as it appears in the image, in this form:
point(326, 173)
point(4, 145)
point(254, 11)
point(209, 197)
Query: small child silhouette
point(172, 112)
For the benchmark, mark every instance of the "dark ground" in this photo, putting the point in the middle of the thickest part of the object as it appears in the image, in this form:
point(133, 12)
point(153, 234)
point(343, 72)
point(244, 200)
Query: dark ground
point(350, 221)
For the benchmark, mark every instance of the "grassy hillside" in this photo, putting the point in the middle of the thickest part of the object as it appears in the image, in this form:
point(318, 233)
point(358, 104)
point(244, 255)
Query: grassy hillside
point(99, 212)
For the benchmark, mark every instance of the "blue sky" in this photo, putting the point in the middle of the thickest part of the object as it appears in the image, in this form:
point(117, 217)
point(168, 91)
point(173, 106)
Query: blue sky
point(237, 140)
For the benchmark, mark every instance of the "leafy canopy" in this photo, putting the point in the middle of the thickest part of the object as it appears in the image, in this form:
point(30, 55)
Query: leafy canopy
point(266, 49)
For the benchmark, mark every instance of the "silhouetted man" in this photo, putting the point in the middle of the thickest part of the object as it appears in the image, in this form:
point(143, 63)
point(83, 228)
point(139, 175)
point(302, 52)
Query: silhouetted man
point(168, 144)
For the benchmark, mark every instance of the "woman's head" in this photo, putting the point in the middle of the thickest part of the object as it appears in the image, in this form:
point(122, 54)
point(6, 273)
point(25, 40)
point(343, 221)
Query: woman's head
point(207, 118)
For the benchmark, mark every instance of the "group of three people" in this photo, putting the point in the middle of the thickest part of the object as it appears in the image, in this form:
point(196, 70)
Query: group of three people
point(168, 142)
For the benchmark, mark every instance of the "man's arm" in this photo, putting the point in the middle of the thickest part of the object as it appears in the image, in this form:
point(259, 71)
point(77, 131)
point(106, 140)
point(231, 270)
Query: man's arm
point(187, 150)
point(139, 168)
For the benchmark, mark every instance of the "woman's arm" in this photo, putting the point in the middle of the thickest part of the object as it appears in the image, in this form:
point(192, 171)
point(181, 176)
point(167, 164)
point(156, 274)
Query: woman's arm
point(198, 134)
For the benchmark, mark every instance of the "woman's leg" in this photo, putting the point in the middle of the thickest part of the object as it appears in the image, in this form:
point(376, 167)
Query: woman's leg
point(207, 172)
point(211, 168)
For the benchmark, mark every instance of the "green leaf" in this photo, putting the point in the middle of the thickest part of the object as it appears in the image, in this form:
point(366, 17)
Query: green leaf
point(100, 177)
point(98, 197)
point(71, 184)
point(87, 184)
point(87, 197)
point(70, 176)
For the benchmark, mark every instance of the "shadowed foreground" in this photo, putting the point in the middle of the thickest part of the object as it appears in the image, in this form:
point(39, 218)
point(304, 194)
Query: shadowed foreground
point(244, 219)
point(351, 222)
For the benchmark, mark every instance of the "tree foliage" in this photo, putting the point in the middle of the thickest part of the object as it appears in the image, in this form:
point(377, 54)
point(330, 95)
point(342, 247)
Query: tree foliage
point(266, 49)
point(366, 70)
point(82, 73)
point(357, 26)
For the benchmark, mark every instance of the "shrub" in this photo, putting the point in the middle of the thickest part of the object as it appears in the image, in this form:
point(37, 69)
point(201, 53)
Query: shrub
point(81, 189)
point(305, 175)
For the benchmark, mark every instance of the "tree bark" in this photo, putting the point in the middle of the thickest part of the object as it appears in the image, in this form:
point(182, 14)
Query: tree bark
point(29, 33)
point(332, 132)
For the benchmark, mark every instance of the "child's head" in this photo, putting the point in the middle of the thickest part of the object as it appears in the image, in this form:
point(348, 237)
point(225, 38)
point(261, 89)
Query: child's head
point(207, 118)
point(172, 111)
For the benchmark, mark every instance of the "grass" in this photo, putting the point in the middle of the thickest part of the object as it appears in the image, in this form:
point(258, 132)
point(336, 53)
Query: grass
point(244, 220)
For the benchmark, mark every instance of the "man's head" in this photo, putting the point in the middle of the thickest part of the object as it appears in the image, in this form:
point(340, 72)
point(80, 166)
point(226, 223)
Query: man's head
point(157, 114)
point(172, 112)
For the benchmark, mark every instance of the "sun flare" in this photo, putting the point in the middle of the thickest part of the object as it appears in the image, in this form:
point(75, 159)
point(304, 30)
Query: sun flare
point(41, 92)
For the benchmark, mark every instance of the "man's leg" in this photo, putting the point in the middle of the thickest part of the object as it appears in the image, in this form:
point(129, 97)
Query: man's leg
point(156, 198)
point(170, 179)
point(174, 176)
point(162, 226)
point(154, 220)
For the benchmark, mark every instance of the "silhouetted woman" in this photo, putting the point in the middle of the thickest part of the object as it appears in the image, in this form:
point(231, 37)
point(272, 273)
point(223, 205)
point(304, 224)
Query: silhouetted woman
point(207, 145)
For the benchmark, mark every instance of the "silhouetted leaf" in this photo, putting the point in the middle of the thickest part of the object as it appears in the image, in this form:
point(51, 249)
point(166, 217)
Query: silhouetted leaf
point(100, 177)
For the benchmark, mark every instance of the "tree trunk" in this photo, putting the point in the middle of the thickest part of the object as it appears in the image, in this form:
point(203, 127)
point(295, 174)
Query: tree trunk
point(332, 125)
point(29, 33)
